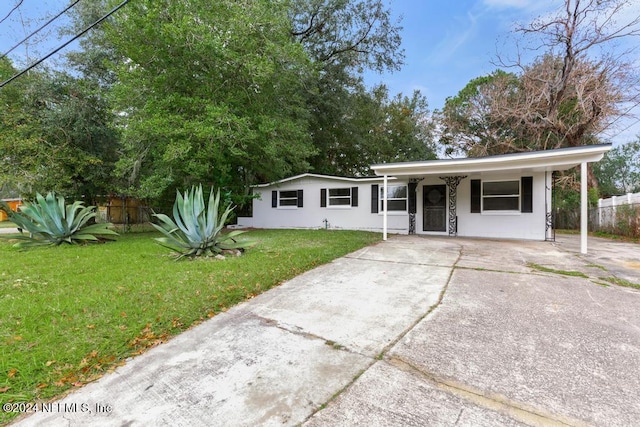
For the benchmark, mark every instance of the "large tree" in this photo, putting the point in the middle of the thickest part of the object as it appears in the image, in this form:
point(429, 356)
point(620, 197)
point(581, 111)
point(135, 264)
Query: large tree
point(353, 129)
point(19, 134)
point(578, 85)
point(619, 170)
point(209, 92)
point(343, 38)
point(53, 136)
point(350, 35)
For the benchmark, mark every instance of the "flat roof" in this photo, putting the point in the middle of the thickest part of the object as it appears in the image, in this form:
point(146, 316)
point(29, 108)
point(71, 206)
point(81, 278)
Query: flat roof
point(536, 161)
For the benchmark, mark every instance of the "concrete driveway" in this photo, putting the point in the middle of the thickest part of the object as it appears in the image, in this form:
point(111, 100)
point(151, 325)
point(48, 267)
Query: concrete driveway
point(414, 331)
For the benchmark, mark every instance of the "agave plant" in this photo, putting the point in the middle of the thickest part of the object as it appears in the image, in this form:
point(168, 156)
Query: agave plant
point(197, 228)
point(48, 221)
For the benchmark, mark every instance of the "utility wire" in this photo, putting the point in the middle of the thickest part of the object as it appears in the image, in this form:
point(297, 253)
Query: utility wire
point(80, 34)
point(38, 30)
point(11, 11)
point(620, 116)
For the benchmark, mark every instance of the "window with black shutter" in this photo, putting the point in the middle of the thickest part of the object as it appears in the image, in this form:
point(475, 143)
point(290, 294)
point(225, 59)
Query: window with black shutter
point(300, 198)
point(527, 194)
point(476, 197)
point(502, 196)
point(339, 197)
point(287, 198)
point(374, 198)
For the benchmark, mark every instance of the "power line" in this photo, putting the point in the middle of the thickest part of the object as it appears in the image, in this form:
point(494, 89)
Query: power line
point(620, 116)
point(80, 34)
point(38, 30)
point(625, 129)
point(11, 11)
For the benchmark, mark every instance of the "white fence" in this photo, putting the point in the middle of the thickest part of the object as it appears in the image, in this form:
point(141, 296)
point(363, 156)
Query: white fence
point(619, 214)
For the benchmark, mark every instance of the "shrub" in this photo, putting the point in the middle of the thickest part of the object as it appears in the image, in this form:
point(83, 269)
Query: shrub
point(197, 228)
point(48, 221)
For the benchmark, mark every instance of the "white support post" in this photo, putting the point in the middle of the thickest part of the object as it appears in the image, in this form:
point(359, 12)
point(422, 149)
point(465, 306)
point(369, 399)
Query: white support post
point(583, 208)
point(385, 208)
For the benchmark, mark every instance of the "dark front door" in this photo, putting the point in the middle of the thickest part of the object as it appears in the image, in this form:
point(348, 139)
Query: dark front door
point(435, 208)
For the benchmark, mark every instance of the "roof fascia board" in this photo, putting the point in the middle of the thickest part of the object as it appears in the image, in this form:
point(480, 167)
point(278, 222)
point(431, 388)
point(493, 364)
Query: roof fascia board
point(313, 175)
point(543, 160)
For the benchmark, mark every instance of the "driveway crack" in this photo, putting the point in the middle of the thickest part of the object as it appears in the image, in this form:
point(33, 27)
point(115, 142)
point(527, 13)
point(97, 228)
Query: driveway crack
point(382, 354)
point(492, 401)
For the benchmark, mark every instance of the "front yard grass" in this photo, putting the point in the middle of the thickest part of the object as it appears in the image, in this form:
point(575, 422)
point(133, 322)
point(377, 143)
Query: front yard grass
point(71, 313)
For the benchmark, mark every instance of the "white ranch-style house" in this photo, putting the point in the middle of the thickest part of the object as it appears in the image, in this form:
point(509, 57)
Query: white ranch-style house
point(504, 196)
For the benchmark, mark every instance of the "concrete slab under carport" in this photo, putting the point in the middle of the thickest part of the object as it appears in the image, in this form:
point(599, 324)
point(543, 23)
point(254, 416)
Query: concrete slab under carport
point(617, 257)
point(434, 251)
point(512, 255)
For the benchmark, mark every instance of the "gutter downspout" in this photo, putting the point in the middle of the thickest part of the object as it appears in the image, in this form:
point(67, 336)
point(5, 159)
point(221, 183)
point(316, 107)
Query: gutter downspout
point(583, 208)
point(384, 206)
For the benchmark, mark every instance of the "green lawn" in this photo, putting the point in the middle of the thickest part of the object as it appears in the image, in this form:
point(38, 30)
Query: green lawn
point(7, 224)
point(70, 314)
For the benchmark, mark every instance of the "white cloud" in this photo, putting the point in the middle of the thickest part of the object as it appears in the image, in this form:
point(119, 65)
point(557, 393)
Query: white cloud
point(454, 39)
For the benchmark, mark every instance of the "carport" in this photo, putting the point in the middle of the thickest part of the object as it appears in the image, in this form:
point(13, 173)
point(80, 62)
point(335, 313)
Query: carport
point(536, 163)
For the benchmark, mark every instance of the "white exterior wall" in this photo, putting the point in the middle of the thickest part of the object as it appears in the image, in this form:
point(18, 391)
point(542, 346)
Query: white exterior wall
point(311, 215)
point(501, 225)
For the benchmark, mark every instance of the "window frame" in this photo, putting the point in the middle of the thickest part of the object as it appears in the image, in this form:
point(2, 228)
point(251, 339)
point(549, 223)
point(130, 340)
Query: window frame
point(381, 200)
point(484, 196)
point(293, 201)
point(339, 197)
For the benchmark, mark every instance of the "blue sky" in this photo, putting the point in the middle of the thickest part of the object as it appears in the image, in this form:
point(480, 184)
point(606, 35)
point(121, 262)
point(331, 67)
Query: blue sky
point(447, 42)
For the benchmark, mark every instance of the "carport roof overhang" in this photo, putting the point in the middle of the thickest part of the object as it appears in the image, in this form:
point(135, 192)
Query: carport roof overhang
point(533, 161)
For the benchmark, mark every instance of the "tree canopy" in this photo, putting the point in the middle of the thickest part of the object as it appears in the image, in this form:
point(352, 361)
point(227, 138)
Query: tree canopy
point(619, 171)
point(208, 93)
point(53, 135)
point(576, 87)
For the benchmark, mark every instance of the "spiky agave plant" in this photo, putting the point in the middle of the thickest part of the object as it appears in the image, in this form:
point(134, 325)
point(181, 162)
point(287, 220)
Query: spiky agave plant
point(49, 221)
point(197, 228)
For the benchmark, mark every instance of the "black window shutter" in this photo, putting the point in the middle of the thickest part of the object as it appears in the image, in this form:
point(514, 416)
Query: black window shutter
point(527, 194)
point(374, 198)
point(475, 196)
point(413, 203)
point(354, 196)
point(323, 197)
point(299, 198)
point(274, 199)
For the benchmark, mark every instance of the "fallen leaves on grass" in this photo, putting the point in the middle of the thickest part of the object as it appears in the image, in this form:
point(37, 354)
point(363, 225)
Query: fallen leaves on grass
point(91, 367)
point(146, 339)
